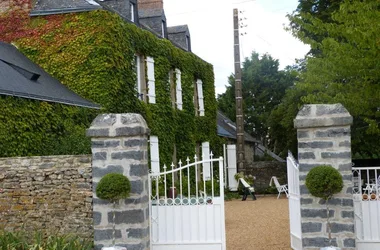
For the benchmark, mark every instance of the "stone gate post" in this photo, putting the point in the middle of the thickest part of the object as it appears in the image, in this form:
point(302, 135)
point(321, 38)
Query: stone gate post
point(323, 133)
point(119, 145)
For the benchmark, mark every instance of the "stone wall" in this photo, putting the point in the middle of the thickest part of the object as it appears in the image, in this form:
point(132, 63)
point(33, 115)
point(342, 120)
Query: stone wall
point(263, 171)
point(51, 193)
point(323, 133)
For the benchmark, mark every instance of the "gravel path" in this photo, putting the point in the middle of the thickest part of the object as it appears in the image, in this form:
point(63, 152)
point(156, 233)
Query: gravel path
point(258, 225)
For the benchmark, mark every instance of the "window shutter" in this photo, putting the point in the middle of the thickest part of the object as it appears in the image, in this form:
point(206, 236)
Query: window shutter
point(206, 165)
point(178, 89)
point(138, 77)
point(200, 98)
point(151, 81)
point(154, 155)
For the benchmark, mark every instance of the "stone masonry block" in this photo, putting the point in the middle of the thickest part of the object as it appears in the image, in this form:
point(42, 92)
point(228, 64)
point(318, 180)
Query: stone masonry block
point(333, 132)
point(311, 227)
point(137, 187)
point(135, 143)
point(340, 227)
point(302, 134)
point(306, 201)
point(317, 242)
point(130, 131)
point(306, 156)
point(100, 172)
point(304, 190)
point(345, 144)
point(100, 235)
point(139, 170)
point(315, 144)
point(334, 155)
point(349, 243)
point(128, 155)
point(127, 217)
point(345, 167)
point(338, 202)
point(330, 109)
point(316, 213)
point(100, 132)
point(139, 233)
point(347, 214)
point(99, 156)
point(306, 167)
point(97, 218)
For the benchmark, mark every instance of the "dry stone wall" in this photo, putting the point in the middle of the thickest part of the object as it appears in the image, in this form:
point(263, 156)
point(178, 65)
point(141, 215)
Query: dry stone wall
point(48, 193)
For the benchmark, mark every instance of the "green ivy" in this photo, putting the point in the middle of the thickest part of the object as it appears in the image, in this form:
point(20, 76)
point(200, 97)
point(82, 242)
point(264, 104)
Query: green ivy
point(92, 53)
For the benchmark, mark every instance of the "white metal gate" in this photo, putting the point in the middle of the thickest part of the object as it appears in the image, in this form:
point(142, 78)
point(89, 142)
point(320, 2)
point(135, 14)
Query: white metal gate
point(366, 191)
point(187, 206)
point(294, 203)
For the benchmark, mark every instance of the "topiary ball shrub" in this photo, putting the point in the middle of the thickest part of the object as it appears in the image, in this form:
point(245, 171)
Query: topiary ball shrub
point(324, 181)
point(113, 187)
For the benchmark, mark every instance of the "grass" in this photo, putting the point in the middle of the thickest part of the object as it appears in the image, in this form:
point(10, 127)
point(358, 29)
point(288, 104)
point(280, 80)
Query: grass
point(22, 240)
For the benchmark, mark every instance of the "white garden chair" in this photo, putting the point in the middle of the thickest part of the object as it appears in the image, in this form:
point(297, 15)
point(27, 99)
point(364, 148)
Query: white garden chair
point(280, 188)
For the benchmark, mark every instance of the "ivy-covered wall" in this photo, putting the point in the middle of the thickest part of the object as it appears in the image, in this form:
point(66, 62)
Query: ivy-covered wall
point(93, 54)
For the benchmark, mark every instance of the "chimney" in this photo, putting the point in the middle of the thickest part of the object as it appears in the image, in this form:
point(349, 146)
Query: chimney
point(150, 4)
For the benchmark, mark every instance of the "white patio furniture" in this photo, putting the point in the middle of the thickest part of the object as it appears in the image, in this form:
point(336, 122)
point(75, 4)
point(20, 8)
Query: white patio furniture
point(280, 188)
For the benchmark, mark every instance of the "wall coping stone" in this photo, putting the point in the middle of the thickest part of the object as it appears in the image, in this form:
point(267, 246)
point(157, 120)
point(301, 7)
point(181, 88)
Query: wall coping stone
point(118, 125)
point(322, 115)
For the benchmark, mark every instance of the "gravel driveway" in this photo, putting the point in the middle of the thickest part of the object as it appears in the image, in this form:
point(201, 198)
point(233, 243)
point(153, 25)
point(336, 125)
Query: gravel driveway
point(258, 225)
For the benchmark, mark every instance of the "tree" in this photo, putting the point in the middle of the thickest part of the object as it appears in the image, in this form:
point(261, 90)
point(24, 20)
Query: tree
point(347, 70)
point(319, 9)
point(264, 86)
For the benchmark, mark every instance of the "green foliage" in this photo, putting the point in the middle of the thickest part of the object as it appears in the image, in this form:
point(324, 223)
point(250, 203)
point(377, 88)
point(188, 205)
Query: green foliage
point(113, 187)
point(324, 181)
point(264, 86)
point(100, 48)
point(229, 195)
point(345, 71)
point(28, 241)
point(29, 127)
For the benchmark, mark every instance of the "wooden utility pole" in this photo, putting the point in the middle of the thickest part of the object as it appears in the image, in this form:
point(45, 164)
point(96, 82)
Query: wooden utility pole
point(239, 98)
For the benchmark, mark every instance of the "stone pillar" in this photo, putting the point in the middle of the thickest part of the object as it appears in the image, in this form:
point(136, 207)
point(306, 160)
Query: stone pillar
point(323, 133)
point(119, 145)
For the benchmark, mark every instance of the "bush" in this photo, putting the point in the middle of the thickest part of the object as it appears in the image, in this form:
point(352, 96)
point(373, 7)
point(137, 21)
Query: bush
point(113, 187)
point(324, 181)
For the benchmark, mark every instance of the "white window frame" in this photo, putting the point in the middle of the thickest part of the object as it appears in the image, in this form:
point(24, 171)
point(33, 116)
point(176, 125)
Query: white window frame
point(154, 154)
point(163, 23)
point(178, 89)
point(151, 80)
point(200, 97)
point(132, 10)
point(138, 77)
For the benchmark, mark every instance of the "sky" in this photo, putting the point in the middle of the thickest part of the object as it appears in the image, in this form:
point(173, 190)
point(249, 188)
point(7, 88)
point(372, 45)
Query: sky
point(211, 28)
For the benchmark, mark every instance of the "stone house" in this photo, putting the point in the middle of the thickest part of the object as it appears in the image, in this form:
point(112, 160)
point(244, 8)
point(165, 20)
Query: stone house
point(121, 55)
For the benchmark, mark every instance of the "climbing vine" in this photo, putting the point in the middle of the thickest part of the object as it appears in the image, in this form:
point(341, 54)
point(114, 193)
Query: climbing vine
point(93, 52)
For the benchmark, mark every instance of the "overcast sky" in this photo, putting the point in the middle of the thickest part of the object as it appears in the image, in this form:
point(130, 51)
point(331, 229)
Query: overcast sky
point(211, 28)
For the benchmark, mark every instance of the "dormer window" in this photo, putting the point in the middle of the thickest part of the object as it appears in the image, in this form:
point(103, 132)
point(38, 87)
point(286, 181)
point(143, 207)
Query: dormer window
point(188, 43)
point(132, 9)
point(163, 24)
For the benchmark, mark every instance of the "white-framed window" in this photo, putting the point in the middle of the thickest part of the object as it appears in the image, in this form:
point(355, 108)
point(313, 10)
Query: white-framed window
point(188, 43)
point(200, 98)
point(154, 154)
point(178, 89)
point(151, 80)
point(140, 76)
point(132, 10)
point(163, 24)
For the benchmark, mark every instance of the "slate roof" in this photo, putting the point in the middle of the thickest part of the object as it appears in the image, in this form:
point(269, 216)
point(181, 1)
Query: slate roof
point(227, 128)
point(178, 29)
point(48, 7)
point(20, 77)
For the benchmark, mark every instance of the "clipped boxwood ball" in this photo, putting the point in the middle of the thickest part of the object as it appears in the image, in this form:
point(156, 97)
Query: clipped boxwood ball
point(113, 186)
point(324, 181)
